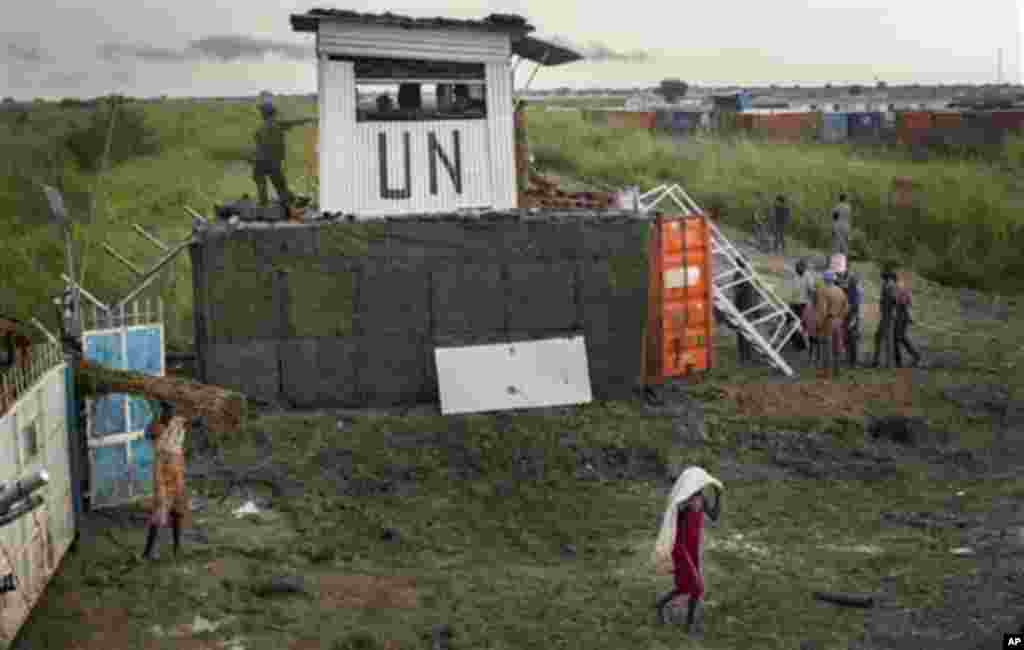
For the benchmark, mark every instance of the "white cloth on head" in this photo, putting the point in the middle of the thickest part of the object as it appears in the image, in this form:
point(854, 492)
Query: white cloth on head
point(691, 481)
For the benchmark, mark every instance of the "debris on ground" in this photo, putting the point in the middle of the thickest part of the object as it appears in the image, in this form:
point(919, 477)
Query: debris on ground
point(912, 431)
point(281, 585)
point(846, 599)
point(248, 508)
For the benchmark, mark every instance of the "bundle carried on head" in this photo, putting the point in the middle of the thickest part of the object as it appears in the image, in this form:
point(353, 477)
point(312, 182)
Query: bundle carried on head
point(690, 482)
point(221, 409)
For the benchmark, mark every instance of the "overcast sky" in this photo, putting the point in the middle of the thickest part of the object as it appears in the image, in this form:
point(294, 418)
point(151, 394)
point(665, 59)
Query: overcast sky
point(85, 48)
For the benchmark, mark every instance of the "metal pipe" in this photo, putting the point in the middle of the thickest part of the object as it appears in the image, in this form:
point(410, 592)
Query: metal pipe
point(85, 293)
point(123, 260)
point(142, 231)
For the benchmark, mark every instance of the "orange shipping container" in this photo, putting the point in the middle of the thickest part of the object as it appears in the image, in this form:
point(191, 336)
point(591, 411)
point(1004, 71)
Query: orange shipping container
point(617, 119)
point(679, 329)
point(947, 120)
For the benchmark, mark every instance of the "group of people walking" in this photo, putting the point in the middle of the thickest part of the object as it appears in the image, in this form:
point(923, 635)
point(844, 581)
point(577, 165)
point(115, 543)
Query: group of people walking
point(829, 308)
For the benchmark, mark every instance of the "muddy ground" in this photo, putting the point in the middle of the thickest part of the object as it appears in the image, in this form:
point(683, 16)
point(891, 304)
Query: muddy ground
point(750, 426)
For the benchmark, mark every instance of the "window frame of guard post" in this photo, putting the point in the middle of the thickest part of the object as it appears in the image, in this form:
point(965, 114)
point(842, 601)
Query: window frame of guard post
point(379, 78)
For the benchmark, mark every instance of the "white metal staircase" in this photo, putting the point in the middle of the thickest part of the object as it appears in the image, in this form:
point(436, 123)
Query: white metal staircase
point(769, 324)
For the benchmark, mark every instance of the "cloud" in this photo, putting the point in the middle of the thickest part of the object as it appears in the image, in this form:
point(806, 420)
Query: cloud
point(28, 53)
point(233, 48)
point(222, 48)
point(599, 52)
point(118, 51)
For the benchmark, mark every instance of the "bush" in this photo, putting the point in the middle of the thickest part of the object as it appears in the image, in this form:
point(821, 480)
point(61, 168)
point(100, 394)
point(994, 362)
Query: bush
point(131, 137)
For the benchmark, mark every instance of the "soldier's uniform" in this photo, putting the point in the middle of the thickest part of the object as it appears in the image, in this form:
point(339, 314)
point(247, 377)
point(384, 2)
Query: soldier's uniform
point(269, 162)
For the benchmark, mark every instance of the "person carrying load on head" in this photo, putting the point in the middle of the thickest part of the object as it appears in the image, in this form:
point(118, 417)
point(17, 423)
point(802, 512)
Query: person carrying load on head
point(679, 547)
point(170, 502)
point(832, 309)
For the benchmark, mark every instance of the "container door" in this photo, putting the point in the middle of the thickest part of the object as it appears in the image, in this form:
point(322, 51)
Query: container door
point(120, 456)
point(681, 344)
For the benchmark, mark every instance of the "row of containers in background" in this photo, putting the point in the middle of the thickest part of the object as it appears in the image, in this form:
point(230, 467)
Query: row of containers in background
point(910, 128)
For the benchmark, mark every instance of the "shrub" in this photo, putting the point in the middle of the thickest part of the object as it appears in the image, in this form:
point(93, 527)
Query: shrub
point(131, 137)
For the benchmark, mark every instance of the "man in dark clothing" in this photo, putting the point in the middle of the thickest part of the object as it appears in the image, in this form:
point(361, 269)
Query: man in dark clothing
point(743, 298)
point(886, 306)
point(854, 295)
point(270, 155)
point(901, 323)
point(781, 221)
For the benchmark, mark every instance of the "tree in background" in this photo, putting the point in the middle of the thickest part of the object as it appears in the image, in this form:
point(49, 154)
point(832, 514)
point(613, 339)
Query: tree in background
point(133, 136)
point(672, 89)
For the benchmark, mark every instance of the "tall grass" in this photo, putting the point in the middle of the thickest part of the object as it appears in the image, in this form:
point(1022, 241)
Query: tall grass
point(967, 232)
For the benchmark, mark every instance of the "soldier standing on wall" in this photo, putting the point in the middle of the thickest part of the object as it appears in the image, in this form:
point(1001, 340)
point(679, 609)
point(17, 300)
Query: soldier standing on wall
point(270, 154)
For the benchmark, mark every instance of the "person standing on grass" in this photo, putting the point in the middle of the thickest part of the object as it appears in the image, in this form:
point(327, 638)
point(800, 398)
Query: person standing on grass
point(170, 503)
point(855, 297)
point(801, 291)
point(832, 309)
point(743, 298)
point(886, 307)
point(782, 214)
point(901, 323)
point(680, 542)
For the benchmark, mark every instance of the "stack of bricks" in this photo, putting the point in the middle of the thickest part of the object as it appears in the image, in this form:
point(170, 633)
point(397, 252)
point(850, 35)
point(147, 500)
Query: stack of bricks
point(545, 194)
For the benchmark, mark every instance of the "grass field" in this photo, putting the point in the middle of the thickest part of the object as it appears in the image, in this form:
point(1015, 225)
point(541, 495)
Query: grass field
point(486, 553)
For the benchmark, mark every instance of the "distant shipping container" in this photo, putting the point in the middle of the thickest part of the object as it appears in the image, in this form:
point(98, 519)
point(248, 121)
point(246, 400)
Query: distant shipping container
point(862, 126)
point(834, 127)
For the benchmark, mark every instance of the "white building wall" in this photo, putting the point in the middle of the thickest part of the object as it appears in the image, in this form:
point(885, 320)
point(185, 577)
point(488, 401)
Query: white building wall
point(350, 160)
point(338, 158)
point(33, 546)
point(501, 123)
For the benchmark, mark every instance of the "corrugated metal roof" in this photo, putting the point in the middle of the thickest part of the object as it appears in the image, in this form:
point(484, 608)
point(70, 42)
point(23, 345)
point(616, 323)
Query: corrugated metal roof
point(543, 52)
point(309, 21)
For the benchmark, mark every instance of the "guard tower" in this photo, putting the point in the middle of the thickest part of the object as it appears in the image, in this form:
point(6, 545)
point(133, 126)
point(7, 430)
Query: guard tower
point(416, 115)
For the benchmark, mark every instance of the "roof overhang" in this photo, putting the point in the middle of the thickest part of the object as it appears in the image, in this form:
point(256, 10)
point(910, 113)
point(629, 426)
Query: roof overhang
point(543, 52)
point(511, 24)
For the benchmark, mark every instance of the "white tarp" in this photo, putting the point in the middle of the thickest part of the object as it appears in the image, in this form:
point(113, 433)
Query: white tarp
point(691, 481)
point(526, 374)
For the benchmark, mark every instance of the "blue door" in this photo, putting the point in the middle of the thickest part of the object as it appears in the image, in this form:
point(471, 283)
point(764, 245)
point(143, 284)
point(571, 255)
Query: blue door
point(120, 457)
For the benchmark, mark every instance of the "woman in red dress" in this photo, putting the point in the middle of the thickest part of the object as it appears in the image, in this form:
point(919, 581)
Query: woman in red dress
point(687, 544)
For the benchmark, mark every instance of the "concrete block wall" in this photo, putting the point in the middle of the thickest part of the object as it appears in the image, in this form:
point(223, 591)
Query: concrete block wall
point(289, 314)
